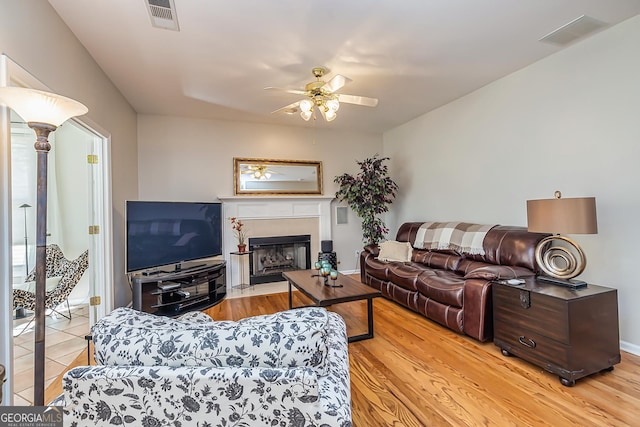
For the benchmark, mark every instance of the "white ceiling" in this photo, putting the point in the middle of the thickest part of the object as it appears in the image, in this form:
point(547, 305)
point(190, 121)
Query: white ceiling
point(412, 55)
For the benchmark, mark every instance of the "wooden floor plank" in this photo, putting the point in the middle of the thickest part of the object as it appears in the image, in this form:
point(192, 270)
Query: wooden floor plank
point(416, 373)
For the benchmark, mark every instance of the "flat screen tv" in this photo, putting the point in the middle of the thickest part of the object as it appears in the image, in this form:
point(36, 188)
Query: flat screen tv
point(165, 233)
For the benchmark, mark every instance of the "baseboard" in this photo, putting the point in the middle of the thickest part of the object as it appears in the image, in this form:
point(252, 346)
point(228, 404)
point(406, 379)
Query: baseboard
point(630, 348)
point(349, 271)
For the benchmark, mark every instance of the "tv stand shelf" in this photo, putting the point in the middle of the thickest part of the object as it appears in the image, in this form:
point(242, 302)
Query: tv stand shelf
point(175, 293)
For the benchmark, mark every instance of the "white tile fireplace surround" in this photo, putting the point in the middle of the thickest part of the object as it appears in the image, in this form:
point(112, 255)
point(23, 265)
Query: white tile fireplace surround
point(266, 216)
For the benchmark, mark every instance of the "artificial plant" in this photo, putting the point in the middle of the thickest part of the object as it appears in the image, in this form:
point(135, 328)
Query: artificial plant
point(369, 194)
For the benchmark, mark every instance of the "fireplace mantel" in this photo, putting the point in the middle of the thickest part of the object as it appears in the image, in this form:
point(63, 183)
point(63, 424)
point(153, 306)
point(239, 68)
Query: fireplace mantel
point(226, 199)
point(279, 207)
point(276, 208)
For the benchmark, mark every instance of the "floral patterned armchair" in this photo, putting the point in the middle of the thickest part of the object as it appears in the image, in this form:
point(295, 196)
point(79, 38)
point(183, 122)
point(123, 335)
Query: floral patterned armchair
point(286, 369)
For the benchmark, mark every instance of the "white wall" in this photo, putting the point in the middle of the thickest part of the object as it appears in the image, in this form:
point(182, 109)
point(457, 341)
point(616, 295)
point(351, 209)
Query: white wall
point(192, 160)
point(34, 36)
point(72, 176)
point(570, 122)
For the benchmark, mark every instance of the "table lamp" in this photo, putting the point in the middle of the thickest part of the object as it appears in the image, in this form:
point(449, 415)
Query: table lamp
point(559, 257)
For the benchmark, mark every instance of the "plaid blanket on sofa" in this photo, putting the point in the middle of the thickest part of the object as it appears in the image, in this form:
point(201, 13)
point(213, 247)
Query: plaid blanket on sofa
point(462, 237)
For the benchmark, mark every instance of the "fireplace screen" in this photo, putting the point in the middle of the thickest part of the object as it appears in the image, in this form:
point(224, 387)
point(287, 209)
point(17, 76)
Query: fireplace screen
point(274, 255)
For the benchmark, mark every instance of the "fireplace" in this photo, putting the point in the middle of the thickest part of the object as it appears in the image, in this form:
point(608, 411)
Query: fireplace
point(273, 255)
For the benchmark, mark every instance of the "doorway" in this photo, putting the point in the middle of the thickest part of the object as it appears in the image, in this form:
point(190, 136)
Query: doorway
point(85, 173)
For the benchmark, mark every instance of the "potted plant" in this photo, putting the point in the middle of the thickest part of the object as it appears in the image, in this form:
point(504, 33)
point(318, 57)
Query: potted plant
point(237, 226)
point(369, 194)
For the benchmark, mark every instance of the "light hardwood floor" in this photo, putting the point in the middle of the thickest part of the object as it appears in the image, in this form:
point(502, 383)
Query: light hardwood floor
point(417, 373)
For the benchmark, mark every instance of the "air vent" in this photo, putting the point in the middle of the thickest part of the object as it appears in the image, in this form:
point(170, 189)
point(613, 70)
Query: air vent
point(163, 14)
point(574, 30)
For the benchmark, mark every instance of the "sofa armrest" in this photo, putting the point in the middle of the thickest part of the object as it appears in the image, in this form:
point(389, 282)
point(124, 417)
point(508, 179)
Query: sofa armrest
point(367, 251)
point(372, 249)
point(478, 313)
point(134, 395)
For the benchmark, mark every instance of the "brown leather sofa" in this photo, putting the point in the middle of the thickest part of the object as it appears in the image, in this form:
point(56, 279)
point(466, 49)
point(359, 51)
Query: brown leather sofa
point(450, 288)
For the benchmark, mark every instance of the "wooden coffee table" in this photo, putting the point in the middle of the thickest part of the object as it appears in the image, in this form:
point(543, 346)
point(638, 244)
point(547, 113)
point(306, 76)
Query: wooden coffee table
point(322, 296)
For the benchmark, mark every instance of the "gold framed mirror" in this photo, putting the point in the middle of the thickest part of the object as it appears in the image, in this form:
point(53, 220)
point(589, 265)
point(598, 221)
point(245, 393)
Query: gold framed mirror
point(269, 177)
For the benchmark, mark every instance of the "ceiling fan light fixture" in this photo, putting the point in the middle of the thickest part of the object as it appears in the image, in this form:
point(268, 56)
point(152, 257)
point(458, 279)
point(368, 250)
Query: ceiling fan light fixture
point(322, 95)
point(333, 105)
point(306, 105)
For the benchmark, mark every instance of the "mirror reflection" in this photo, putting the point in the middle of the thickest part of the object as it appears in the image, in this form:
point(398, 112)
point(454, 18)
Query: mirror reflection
point(270, 176)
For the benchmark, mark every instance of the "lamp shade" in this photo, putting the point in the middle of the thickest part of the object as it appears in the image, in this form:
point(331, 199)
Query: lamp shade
point(562, 216)
point(41, 107)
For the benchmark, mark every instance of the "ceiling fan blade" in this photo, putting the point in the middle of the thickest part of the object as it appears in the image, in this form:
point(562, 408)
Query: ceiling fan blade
point(294, 91)
point(359, 100)
point(324, 115)
point(337, 82)
point(291, 108)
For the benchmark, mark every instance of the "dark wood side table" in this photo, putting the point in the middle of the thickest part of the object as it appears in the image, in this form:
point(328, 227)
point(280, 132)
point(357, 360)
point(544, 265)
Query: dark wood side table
point(570, 333)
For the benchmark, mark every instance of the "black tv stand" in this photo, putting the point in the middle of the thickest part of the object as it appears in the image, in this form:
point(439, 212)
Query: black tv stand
point(178, 268)
point(173, 293)
point(154, 272)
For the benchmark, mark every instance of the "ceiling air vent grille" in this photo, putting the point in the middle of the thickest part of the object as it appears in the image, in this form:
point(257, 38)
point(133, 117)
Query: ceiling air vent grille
point(163, 14)
point(574, 30)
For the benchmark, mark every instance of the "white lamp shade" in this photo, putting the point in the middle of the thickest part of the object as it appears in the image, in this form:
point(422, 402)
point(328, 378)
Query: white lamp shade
point(41, 107)
point(333, 104)
point(330, 115)
point(306, 105)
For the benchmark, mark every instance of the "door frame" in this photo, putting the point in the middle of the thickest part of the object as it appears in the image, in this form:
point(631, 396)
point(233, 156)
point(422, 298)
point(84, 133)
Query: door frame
point(100, 244)
point(100, 202)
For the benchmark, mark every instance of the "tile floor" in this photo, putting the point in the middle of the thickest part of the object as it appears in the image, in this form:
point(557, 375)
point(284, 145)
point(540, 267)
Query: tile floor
point(64, 340)
point(261, 289)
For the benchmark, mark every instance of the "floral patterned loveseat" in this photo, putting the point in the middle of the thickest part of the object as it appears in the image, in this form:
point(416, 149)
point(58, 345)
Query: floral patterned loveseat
point(286, 369)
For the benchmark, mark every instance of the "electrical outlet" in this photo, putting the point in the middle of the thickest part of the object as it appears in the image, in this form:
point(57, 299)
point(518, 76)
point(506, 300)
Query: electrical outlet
point(357, 253)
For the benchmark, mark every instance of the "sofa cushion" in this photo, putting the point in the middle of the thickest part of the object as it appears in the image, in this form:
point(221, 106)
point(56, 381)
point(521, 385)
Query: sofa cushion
point(395, 251)
point(195, 317)
point(494, 272)
point(509, 245)
point(441, 285)
point(405, 275)
point(445, 261)
point(376, 268)
point(287, 339)
point(482, 270)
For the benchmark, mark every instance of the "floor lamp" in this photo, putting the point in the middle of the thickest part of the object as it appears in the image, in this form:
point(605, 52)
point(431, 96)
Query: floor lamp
point(26, 239)
point(44, 112)
point(20, 312)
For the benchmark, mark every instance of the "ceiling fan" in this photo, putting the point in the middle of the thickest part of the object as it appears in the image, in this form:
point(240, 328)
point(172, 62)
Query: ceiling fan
point(322, 94)
point(260, 172)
